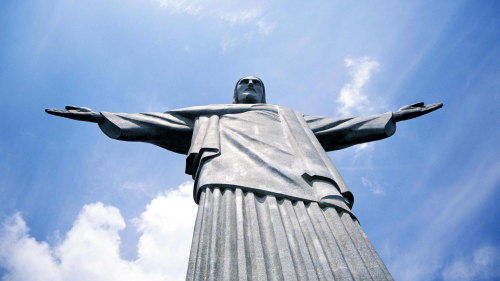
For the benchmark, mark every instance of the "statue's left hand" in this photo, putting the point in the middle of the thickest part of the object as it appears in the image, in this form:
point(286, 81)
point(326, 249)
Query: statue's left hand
point(414, 110)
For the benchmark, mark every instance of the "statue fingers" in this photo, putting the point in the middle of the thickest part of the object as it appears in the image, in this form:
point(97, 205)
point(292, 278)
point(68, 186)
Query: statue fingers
point(436, 105)
point(85, 109)
point(404, 107)
point(414, 110)
point(432, 107)
point(411, 106)
point(71, 107)
point(57, 112)
point(75, 115)
point(78, 108)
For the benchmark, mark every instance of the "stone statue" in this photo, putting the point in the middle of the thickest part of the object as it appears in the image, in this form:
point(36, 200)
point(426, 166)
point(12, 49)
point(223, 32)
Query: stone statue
point(271, 203)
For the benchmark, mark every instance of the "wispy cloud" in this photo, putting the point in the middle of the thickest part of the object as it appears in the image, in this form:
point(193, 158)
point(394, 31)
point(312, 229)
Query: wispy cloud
point(367, 146)
point(351, 97)
point(227, 44)
point(228, 11)
point(437, 235)
point(90, 250)
point(374, 188)
point(265, 27)
point(236, 16)
point(483, 264)
point(182, 6)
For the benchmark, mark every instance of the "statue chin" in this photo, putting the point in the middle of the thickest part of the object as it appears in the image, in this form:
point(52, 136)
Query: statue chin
point(247, 98)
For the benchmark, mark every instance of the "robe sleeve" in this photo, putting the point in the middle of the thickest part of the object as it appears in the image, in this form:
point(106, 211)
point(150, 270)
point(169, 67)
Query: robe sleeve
point(168, 130)
point(334, 134)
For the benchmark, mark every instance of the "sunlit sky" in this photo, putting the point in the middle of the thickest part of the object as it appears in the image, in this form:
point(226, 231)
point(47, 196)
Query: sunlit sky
point(77, 205)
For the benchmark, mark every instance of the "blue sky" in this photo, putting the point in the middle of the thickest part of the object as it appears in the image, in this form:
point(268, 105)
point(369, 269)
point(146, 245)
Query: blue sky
point(75, 203)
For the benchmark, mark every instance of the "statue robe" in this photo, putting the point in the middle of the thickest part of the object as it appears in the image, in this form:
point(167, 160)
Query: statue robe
point(266, 149)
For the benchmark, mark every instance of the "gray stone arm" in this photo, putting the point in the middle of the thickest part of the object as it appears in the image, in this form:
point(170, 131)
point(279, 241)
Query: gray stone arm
point(334, 134)
point(168, 130)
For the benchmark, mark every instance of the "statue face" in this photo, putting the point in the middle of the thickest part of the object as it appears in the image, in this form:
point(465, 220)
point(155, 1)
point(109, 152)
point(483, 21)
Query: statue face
point(250, 90)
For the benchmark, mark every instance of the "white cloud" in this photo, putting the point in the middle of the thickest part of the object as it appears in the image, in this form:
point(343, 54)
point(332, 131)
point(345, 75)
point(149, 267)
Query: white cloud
point(90, 250)
point(351, 96)
point(22, 256)
point(167, 228)
point(484, 264)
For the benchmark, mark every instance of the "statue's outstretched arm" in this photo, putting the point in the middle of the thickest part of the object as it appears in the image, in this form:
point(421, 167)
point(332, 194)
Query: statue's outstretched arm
point(77, 113)
point(334, 134)
point(170, 130)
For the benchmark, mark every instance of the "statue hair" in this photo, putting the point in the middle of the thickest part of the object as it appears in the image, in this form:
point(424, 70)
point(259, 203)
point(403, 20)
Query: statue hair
point(235, 96)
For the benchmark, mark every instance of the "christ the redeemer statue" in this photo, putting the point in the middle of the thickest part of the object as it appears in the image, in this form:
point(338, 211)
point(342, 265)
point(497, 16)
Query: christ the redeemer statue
point(272, 205)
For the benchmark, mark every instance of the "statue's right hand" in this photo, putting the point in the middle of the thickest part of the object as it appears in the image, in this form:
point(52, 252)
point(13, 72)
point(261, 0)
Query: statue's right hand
point(77, 113)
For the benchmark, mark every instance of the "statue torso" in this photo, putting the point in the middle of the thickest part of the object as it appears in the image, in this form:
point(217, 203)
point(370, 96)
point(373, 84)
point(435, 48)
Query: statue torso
point(263, 148)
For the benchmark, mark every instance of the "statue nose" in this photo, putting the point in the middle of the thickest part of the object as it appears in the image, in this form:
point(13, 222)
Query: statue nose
point(250, 83)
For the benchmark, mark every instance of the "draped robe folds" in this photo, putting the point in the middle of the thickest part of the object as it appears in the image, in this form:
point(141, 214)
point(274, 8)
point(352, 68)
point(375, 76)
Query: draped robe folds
point(265, 149)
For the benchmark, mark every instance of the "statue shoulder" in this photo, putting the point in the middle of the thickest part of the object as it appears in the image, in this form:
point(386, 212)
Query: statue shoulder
point(221, 109)
point(201, 109)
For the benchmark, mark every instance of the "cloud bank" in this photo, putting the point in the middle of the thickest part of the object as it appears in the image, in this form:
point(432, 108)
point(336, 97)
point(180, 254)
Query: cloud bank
point(90, 249)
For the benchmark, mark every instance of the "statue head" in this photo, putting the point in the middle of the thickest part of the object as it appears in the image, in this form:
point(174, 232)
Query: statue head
point(249, 89)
